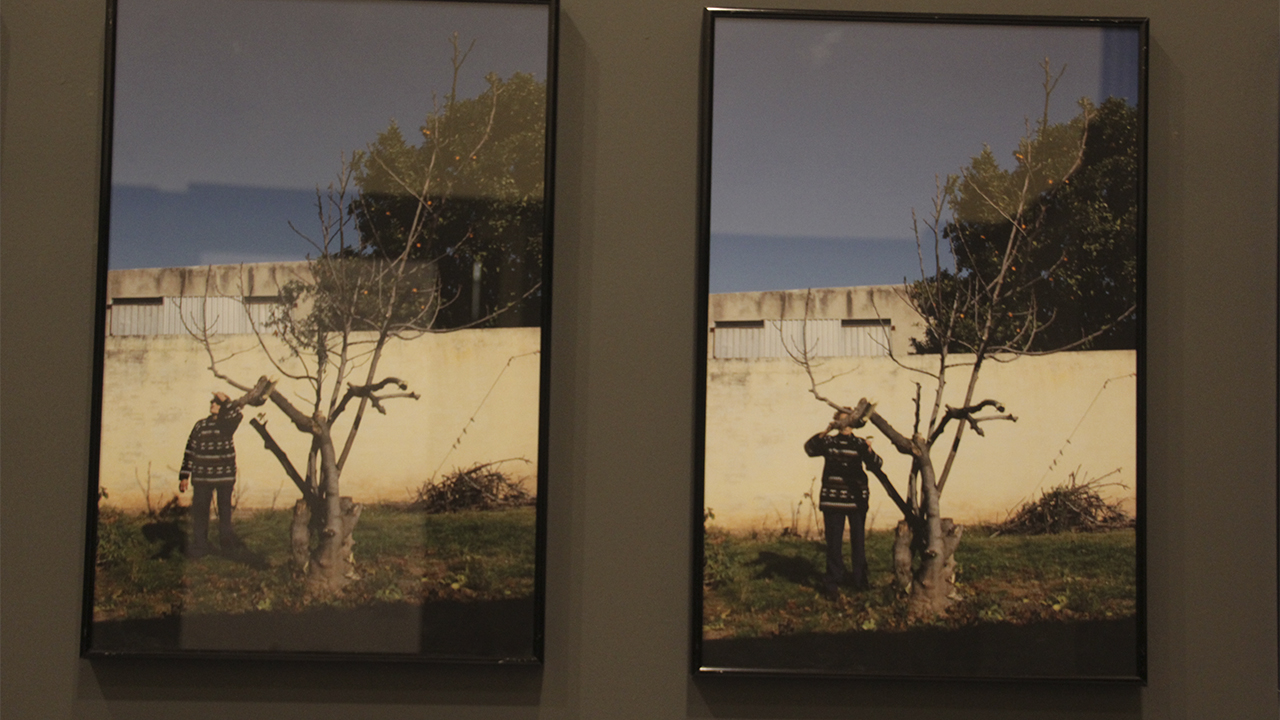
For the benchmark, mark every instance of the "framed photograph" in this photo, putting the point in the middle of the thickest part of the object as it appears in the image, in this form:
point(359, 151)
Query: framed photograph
point(920, 443)
point(324, 295)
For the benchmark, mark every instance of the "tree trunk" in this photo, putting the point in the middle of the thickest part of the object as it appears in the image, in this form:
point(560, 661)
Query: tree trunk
point(332, 564)
point(933, 589)
point(932, 584)
point(902, 557)
point(350, 516)
point(951, 534)
point(300, 534)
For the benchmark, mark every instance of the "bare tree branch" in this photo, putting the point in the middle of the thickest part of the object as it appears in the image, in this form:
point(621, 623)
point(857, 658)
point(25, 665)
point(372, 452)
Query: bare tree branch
point(369, 391)
point(803, 356)
point(962, 413)
point(260, 425)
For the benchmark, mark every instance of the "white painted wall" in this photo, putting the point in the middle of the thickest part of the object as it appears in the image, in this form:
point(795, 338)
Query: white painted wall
point(760, 412)
point(155, 388)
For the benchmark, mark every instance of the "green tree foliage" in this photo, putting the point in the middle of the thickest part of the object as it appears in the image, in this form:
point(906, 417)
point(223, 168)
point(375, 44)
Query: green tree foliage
point(467, 199)
point(1072, 272)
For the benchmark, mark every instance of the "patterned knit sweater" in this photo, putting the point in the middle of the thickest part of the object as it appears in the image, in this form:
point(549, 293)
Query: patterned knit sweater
point(844, 481)
point(210, 456)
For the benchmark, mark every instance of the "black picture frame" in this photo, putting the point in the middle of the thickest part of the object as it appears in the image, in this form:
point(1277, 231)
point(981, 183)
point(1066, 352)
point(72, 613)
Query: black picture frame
point(419, 280)
point(816, 129)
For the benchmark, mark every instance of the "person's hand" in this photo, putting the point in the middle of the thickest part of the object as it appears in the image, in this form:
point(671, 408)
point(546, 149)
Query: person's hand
point(182, 485)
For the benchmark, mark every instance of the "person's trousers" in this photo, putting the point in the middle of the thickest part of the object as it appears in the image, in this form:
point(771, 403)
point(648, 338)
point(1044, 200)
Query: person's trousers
point(201, 499)
point(834, 522)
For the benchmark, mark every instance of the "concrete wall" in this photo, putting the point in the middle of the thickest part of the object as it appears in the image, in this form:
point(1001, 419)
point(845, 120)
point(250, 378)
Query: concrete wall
point(760, 412)
point(250, 279)
point(862, 303)
point(155, 388)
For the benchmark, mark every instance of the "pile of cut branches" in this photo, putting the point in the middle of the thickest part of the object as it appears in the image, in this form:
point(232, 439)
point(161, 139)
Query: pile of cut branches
point(479, 487)
point(1073, 506)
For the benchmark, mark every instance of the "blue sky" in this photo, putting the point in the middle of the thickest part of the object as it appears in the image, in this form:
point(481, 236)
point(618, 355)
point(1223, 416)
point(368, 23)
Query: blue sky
point(826, 134)
point(230, 113)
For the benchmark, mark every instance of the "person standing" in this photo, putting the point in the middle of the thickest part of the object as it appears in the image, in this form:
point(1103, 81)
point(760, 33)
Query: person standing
point(209, 465)
point(844, 498)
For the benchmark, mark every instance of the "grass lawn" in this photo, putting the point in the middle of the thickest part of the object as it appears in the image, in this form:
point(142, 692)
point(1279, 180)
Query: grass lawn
point(402, 556)
point(758, 586)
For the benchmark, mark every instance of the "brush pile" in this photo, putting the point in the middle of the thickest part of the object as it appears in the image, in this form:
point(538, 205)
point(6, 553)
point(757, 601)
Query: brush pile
point(1074, 506)
point(479, 487)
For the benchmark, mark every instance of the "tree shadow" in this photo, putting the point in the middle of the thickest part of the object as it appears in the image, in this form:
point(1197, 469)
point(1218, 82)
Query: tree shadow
point(797, 570)
point(173, 543)
point(170, 536)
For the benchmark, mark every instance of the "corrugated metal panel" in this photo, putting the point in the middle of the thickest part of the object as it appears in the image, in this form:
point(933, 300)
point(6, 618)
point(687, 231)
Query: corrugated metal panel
point(823, 338)
point(134, 319)
point(188, 315)
point(866, 341)
point(179, 310)
point(261, 313)
point(737, 342)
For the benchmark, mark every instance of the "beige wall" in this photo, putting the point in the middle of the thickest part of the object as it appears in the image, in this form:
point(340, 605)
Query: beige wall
point(867, 302)
point(155, 388)
point(253, 279)
point(760, 412)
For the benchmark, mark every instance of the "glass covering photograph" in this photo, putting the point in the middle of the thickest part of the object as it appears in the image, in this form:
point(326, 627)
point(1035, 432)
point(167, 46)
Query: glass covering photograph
point(921, 423)
point(323, 303)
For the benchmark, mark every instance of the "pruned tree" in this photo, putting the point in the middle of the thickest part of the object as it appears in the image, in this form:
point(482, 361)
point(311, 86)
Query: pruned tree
point(365, 288)
point(1006, 230)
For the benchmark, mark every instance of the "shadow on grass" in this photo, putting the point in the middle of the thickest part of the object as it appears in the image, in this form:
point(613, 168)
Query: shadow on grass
point(794, 569)
point(1093, 649)
point(485, 630)
point(173, 541)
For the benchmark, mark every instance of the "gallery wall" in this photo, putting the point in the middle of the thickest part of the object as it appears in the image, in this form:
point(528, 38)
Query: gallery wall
point(624, 343)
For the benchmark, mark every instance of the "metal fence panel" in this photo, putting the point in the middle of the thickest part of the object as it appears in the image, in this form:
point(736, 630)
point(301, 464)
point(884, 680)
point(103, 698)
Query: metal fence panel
point(822, 338)
point(188, 315)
